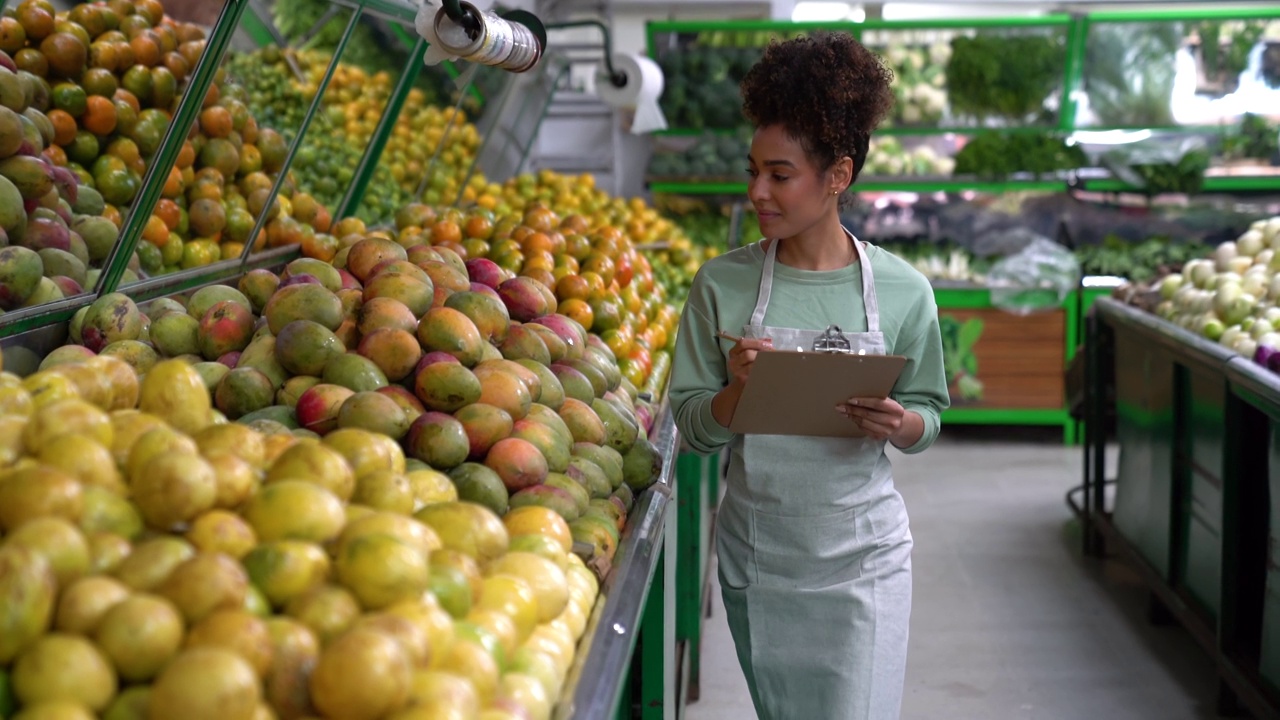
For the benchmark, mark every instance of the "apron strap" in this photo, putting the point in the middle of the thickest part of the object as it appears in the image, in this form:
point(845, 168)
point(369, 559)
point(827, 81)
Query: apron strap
point(869, 299)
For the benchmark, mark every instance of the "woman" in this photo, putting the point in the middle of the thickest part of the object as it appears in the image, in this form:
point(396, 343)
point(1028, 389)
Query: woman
point(812, 539)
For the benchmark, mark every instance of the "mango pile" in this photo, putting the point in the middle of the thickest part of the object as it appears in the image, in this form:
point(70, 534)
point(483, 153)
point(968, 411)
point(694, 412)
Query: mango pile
point(159, 562)
point(107, 76)
point(52, 238)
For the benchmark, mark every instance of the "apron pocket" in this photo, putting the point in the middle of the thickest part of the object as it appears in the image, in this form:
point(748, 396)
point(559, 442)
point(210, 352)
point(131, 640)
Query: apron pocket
point(811, 552)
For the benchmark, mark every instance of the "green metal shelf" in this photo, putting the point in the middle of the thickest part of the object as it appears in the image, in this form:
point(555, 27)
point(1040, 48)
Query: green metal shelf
point(929, 186)
point(1242, 183)
point(1250, 183)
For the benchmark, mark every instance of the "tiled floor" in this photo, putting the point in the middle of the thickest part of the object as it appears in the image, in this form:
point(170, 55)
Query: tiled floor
point(1009, 620)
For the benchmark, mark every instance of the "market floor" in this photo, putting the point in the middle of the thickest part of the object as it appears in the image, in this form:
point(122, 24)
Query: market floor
point(1009, 620)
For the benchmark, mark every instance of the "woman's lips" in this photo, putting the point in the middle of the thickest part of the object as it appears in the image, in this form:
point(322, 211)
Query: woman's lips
point(766, 215)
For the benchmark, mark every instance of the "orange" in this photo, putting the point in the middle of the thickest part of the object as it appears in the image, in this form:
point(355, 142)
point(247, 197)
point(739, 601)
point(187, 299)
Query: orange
point(99, 81)
point(216, 122)
point(64, 126)
point(99, 115)
point(127, 97)
point(36, 20)
point(32, 61)
point(445, 231)
point(13, 37)
point(173, 185)
point(156, 231)
point(146, 48)
point(186, 156)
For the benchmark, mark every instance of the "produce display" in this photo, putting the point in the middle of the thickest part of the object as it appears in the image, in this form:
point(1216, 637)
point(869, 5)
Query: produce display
point(886, 157)
point(712, 156)
point(996, 155)
point(348, 490)
point(998, 76)
point(1228, 297)
point(919, 81)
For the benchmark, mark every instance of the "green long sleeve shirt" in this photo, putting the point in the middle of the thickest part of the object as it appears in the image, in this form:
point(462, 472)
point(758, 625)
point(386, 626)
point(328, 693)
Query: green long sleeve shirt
point(724, 295)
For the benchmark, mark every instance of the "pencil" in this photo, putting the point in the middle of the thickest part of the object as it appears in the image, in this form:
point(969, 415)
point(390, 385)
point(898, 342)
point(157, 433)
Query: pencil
point(727, 336)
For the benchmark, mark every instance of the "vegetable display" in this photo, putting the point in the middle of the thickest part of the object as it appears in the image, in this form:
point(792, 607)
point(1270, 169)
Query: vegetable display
point(919, 82)
point(1231, 296)
point(998, 155)
point(998, 76)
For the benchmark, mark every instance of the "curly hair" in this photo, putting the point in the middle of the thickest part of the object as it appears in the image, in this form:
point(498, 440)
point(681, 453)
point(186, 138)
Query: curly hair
point(826, 90)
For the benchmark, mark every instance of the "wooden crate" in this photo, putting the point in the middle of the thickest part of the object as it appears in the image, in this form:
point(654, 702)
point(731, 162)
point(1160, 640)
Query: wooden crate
point(1018, 360)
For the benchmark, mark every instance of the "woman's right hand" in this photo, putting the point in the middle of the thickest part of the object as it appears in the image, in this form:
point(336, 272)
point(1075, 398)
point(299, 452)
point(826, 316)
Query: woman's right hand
point(743, 355)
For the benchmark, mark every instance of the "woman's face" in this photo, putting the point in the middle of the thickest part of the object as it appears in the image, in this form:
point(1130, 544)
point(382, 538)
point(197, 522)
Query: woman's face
point(789, 193)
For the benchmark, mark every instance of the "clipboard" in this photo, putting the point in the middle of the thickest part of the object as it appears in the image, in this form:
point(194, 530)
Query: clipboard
point(795, 393)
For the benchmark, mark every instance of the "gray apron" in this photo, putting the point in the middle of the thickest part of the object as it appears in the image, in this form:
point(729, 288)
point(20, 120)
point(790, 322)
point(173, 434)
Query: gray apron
point(815, 560)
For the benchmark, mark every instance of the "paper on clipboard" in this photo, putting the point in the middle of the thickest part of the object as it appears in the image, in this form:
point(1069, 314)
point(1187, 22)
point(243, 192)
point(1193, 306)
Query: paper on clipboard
point(796, 393)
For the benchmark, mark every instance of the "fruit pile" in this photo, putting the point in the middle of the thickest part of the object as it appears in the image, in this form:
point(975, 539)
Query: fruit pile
point(159, 563)
point(385, 528)
point(353, 104)
point(55, 237)
point(107, 77)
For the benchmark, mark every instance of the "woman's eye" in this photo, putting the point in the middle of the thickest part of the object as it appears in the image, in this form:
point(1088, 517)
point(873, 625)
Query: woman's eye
point(780, 178)
point(751, 173)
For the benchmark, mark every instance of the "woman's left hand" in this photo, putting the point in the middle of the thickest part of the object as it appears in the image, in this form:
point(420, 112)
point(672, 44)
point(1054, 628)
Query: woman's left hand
point(879, 418)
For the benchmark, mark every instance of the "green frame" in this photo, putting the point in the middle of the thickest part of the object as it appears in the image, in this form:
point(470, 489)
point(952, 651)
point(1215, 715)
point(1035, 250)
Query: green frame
point(1077, 28)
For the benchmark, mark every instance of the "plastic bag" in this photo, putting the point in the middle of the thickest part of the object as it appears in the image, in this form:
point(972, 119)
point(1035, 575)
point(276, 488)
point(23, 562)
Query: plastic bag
point(1037, 279)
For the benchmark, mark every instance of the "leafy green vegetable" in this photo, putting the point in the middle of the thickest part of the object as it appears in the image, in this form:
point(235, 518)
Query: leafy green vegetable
point(960, 363)
point(998, 155)
point(1256, 138)
point(995, 74)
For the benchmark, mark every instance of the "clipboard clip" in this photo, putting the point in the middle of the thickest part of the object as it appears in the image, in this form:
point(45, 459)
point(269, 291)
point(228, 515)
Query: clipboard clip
point(832, 340)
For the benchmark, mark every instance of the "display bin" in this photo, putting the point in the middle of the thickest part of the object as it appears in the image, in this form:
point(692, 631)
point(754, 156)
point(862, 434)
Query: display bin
point(1190, 508)
point(1006, 369)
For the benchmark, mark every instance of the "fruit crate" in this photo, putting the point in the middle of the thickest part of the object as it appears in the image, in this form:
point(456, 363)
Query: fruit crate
point(157, 153)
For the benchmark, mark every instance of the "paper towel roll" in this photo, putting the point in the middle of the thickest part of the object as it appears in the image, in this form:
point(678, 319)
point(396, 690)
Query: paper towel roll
point(640, 91)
